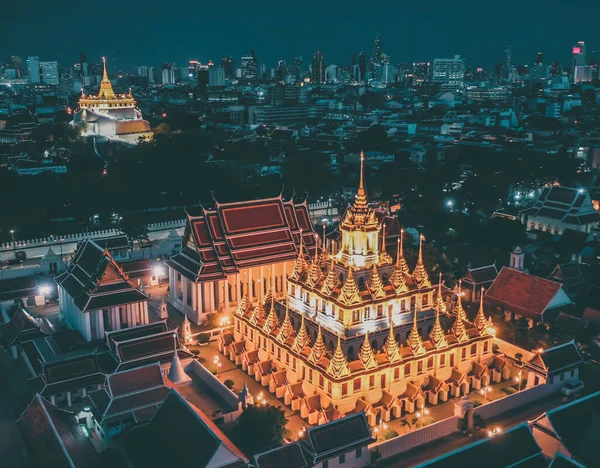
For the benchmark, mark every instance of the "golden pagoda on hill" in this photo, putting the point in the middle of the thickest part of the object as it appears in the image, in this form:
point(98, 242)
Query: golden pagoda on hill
point(362, 322)
point(111, 115)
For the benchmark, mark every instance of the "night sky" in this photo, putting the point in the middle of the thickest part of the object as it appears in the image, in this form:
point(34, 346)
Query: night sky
point(155, 31)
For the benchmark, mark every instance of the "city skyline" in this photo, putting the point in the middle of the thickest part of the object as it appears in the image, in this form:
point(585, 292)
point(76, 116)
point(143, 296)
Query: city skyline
point(408, 34)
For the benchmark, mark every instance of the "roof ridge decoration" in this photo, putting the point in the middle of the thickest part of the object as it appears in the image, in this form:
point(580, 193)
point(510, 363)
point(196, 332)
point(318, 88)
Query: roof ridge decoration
point(439, 305)
point(300, 263)
point(286, 329)
point(359, 215)
point(414, 340)
point(391, 348)
point(272, 321)
point(318, 348)
point(376, 284)
point(331, 280)
point(420, 275)
point(324, 258)
point(400, 271)
point(458, 329)
point(258, 313)
point(302, 339)
point(349, 295)
point(338, 365)
point(481, 324)
point(366, 354)
point(268, 297)
point(384, 256)
point(437, 335)
point(459, 310)
point(244, 304)
point(314, 272)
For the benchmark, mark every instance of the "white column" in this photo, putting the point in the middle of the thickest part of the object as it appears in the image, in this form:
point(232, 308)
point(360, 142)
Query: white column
point(146, 318)
point(87, 331)
point(100, 328)
point(250, 293)
point(238, 288)
point(261, 289)
point(211, 292)
point(194, 297)
point(272, 285)
point(226, 288)
point(68, 398)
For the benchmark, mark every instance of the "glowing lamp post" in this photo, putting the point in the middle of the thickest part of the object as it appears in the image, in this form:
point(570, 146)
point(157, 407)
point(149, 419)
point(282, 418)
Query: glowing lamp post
point(217, 363)
point(519, 378)
point(484, 391)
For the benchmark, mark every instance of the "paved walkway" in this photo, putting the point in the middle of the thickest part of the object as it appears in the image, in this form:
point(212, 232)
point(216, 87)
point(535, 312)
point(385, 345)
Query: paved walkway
point(228, 370)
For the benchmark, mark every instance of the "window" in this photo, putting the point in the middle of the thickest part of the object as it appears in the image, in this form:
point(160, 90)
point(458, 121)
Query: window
point(356, 316)
point(382, 380)
point(413, 301)
point(329, 387)
point(452, 360)
point(419, 367)
point(380, 310)
point(425, 299)
point(572, 372)
point(442, 360)
point(310, 375)
point(406, 369)
point(486, 345)
point(430, 363)
point(357, 385)
point(562, 377)
point(473, 349)
point(321, 381)
point(344, 389)
point(343, 458)
point(367, 313)
point(325, 464)
point(359, 452)
point(551, 380)
point(464, 354)
point(390, 309)
point(403, 304)
point(371, 381)
point(397, 373)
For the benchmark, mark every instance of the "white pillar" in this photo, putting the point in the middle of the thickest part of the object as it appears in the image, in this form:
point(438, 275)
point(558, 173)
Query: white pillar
point(238, 288)
point(250, 293)
point(261, 288)
point(211, 295)
point(194, 297)
point(100, 329)
point(226, 288)
point(68, 398)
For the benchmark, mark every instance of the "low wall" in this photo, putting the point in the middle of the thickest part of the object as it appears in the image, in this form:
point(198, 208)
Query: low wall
point(511, 402)
point(219, 388)
point(511, 350)
point(406, 442)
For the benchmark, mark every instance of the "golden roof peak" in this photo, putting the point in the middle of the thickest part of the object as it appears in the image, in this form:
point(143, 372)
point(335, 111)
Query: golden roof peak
point(420, 275)
point(258, 314)
point(481, 324)
point(338, 365)
point(286, 328)
point(318, 348)
point(384, 257)
point(459, 310)
point(414, 340)
point(349, 295)
point(391, 348)
point(366, 354)
point(376, 284)
point(440, 305)
point(437, 335)
point(106, 89)
point(302, 339)
point(272, 322)
point(331, 280)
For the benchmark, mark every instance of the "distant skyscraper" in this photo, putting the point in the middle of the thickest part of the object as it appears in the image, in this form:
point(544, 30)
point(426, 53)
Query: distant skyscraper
point(555, 68)
point(318, 67)
point(249, 66)
point(50, 73)
point(376, 58)
point(362, 65)
point(151, 76)
point(449, 72)
point(33, 69)
point(216, 76)
point(18, 64)
point(281, 71)
point(353, 60)
point(579, 56)
point(192, 67)
point(421, 71)
point(168, 74)
point(228, 67)
point(298, 68)
point(507, 64)
point(203, 77)
point(539, 58)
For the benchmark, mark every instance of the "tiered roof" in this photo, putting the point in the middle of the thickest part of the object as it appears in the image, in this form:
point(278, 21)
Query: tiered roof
point(95, 281)
point(338, 365)
point(366, 354)
point(242, 234)
point(420, 275)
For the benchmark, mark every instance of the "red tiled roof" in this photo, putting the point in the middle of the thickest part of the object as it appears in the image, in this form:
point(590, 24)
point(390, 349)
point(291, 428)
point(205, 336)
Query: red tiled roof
point(522, 293)
point(242, 234)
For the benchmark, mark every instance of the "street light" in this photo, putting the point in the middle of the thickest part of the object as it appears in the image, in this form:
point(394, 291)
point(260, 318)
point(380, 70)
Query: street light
point(484, 391)
point(494, 431)
point(217, 363)
point(519, 378)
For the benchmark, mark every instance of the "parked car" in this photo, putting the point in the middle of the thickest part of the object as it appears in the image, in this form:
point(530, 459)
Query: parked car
point(572, 388)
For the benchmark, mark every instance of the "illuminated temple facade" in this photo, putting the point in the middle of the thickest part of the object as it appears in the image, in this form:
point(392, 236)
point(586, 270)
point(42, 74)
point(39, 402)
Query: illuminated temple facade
point(237, 249)
point(111, 115)
point(356, 329)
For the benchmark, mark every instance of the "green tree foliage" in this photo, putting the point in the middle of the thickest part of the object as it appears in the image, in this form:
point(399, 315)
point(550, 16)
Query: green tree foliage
point(260, 428)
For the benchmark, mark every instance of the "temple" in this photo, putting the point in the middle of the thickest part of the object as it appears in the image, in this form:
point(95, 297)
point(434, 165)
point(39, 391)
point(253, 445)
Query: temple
point(111, 115)
point(241, 249)
point(355, 328)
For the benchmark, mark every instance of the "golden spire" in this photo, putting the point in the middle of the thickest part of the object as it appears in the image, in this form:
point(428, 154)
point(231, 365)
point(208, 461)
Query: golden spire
point(338, 365)
point(106, 89)
point(302, 339)
point(414, 341)
point(437, 336)
point(349, 295)
point(314, 273)
point(244, 304)
point(286, 328)
point(258, 314)
point(366, 354)
point(300, 264)
point(331, 280)
point(384, 257)
point(318, 348)
point(401, 261)
point(376, 284)
point(391, 348)
point(268, 297)
point(440, 305)
point(459, 331)
point(361, 196)
point(481, 324)
point(420, 276)
point(324, 259)
point(459, 310)
point(272, 321)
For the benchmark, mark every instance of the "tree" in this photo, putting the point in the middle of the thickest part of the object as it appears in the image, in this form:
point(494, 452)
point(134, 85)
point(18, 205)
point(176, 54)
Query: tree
point(260, 428)
point(229, 384)
point(406, 425)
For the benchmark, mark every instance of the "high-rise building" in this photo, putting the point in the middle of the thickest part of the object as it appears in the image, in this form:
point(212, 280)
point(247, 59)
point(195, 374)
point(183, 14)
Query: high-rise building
point(50, 73)
point(151, 76)
point(539, 58)
point(216, 76)
point(228, 67)
point(281, 71)
point(555, 68)
point(142, 70)
point(376, 58)
point(18, 64)
point(33, 69)
point(168, 74)
point(579, 55)
point(420, 71)
point(362, 65)
point(192, 67)
point(318, 67)
point(507, 58)
point(298, 68)
point(449, 72)
point(249, 66)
